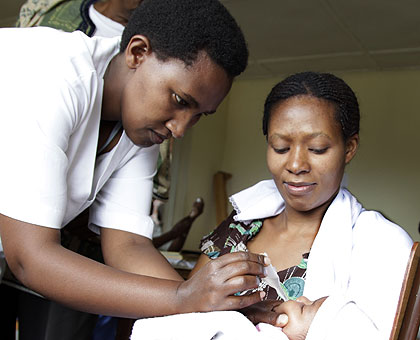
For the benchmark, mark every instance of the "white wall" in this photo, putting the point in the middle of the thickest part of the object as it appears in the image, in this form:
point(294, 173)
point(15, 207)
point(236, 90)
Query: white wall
point(384, 175)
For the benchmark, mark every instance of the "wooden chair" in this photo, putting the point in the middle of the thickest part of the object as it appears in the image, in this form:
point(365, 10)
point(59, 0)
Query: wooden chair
point(407, 318)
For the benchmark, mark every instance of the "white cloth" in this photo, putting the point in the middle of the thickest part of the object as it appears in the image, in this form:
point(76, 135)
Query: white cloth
point(50, 105)
point(104, 26)
point(224, 325)
point(358, 259)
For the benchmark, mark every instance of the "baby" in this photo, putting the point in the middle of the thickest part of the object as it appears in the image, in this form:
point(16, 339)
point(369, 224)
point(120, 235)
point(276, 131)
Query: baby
point(296, 316)
point(293, 317)
point(292, 324)
point(218, 325)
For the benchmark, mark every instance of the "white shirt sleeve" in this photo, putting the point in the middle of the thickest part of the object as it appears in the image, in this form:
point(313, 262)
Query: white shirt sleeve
point(37, 122)
point(125, 200)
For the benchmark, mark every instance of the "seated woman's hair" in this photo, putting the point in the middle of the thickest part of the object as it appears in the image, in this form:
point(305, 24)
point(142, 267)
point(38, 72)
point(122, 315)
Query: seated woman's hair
point(182, 28)
point(320, 85)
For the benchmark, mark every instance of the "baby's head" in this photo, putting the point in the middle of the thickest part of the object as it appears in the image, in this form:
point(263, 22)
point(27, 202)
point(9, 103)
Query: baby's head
point(296, 316)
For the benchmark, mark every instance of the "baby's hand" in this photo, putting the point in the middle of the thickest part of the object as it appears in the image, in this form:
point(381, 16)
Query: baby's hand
point(300, 314)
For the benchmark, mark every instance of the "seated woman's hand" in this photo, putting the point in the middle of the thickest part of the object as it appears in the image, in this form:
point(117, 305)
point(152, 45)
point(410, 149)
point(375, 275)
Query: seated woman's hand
point(213, 287)
point(300, 314)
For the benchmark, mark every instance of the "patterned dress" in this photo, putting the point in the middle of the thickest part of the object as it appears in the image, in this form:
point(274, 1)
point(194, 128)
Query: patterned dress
point(232, 236)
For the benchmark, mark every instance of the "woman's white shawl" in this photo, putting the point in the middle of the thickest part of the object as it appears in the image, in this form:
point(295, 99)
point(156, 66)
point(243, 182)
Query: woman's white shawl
point(358, 260)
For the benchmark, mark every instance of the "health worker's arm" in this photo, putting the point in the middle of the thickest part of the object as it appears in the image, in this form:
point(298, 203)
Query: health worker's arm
point(135, 254)
point(36, 257)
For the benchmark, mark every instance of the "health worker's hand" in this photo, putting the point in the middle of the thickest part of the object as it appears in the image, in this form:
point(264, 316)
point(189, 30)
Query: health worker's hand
point(213, 286)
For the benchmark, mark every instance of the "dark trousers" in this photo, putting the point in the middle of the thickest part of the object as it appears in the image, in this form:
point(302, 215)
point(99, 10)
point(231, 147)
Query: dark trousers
point(41, 319)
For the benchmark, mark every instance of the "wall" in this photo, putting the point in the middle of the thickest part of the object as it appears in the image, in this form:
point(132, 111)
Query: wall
point(196, 158)
point(384, 175)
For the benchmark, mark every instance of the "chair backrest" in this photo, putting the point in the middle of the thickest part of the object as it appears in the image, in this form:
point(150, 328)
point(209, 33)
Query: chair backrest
point(407, 318)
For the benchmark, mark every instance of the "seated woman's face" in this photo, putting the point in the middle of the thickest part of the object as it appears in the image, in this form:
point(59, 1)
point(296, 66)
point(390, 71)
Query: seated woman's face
point(306, 152)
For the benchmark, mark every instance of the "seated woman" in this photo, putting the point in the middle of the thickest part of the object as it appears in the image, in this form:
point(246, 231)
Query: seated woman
point(344, 264)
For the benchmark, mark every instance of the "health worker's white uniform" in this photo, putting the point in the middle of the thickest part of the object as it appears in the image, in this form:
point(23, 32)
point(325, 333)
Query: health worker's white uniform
point(51, 88)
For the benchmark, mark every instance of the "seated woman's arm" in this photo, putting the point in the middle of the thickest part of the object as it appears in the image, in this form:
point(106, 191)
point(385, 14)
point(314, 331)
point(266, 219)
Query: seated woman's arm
point(366, 307)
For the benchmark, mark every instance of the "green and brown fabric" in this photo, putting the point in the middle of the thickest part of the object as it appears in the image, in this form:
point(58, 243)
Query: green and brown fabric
point(232, 236)
point(66, 15)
